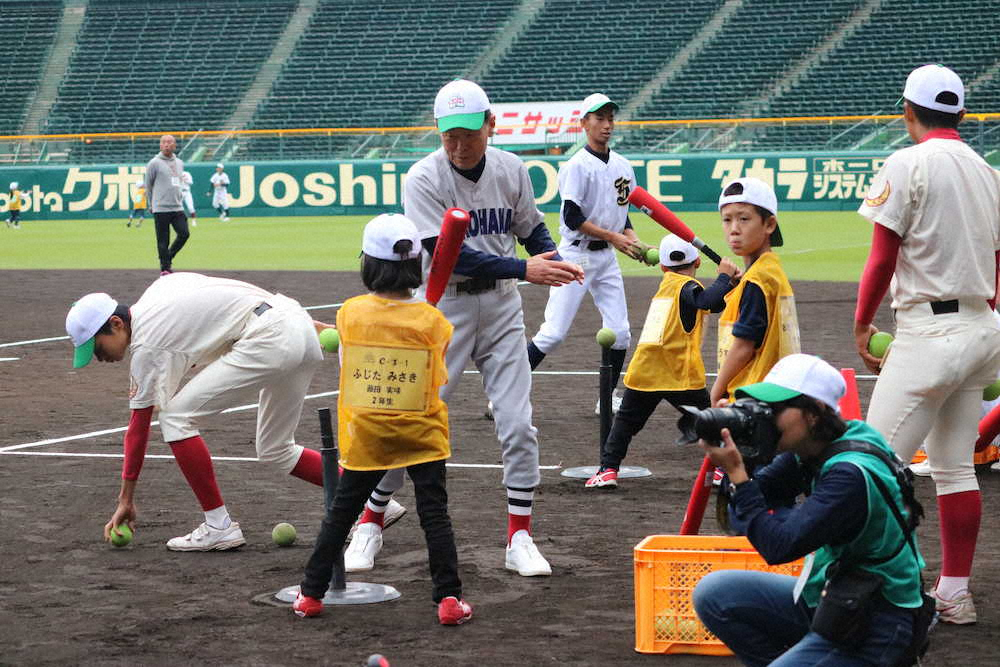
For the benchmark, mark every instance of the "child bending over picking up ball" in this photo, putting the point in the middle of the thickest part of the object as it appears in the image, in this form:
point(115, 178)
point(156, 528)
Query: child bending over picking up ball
point(392, 349)
point(667, 364)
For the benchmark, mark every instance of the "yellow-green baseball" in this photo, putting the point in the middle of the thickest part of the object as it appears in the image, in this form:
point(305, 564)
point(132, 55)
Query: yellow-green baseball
point(879, 343)
point(121, 535)
point(329, 339)
point(652, 256)
point(284, 534)
point(606, 337)
point(992, 392)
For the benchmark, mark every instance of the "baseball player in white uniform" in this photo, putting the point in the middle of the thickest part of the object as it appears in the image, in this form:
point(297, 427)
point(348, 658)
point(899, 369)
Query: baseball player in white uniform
point(220, 192)
point(246, 341)
point(186, 199)
point(481, 301)
point(936, 213)
point(593, 222)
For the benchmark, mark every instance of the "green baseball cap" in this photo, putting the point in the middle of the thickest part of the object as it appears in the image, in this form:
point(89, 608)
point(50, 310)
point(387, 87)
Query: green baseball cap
point(797, 375)
point(594, 102)
point(84, 320)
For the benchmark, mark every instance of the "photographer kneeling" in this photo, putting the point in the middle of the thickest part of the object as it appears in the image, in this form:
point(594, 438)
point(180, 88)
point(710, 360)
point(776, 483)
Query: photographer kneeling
point(859, 598)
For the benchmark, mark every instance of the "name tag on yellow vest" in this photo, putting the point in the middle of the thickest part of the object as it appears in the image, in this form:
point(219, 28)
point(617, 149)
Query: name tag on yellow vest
point(386, 378)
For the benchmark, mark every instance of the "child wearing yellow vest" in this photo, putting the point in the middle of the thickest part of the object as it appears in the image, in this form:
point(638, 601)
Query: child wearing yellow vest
point(15, 199)
point(759, 325)
point(390, 415)
point(667, 364)
point(139, 204)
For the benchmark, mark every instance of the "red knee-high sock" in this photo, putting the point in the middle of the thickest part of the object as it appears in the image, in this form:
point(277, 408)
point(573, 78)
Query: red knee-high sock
point(959, 514)
point(195, 462)
point(309, 467)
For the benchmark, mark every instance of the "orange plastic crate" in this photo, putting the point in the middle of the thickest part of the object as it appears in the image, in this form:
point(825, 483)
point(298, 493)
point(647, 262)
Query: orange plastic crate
point(667, 568)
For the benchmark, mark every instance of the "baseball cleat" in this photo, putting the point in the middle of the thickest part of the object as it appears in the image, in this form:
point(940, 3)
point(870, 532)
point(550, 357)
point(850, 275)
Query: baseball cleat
point(922, 469)
point(960, 611)
point(489, 411)
point(452, 611)
point(616, 404)
point(307, 607)
point(393, 513)
point(367, 542)
point(206, 538)
point(603, 479)
point(524, 558)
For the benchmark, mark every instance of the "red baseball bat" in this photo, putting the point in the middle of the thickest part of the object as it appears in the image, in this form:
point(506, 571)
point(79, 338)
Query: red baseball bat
point(989, 428)
point(449, 242)
point(700, 493)
point(645, 202)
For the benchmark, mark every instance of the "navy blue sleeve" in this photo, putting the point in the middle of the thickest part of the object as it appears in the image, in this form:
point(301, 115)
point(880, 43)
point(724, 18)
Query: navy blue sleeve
point(478, 264)
point(711, 298)
point(573, 217)
point(538, 241)
point(834, 513)
point(752, 320)
point(628, 223)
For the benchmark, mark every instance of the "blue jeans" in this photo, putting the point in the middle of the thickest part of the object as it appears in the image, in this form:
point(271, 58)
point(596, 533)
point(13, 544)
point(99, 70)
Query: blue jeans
point(754, 614)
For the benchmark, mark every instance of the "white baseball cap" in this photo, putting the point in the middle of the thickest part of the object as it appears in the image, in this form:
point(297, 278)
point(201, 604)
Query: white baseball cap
point(382, 232)
point(596, 101)
point(675, 251)
point(13, 185)
point(84, 320)
point(460, 103)
point(140, 183)
point(220, 166)
point(753, 191)
point(935, 87)
point(798, 375)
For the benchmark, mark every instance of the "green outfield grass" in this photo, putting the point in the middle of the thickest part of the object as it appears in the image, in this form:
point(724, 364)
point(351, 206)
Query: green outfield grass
point(818, 245)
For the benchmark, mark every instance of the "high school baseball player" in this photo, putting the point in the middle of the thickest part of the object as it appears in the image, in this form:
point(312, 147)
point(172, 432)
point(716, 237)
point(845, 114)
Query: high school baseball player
point(593, 222)
point(936, 213)
point(244, 341)
point(481, 301)
point(138, 204)
point(220, 192)
point(15, 200)
point(186, 199)
point(163, 192)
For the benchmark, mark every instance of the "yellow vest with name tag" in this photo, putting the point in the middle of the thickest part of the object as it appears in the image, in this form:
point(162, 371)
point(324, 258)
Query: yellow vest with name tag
point(782, 335)
point(668, 358)
point(389, 412)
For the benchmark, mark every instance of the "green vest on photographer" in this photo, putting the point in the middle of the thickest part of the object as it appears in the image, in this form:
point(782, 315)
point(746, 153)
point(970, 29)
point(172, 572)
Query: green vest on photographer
point(881, 535)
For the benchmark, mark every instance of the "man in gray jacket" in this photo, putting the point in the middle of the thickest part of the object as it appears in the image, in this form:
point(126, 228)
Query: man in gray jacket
point(164, 192)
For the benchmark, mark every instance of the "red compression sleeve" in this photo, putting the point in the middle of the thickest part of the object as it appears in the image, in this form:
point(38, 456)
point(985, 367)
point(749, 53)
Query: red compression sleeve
point(878, 272)
point(136, 438)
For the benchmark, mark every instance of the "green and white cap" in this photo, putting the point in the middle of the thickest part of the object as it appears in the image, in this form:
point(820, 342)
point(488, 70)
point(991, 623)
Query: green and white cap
point(460, 103)
point(594, 102)
point(798, 375)
point(84, 320)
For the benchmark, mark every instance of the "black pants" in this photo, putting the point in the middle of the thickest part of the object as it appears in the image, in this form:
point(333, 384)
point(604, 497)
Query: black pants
point(163, 222)
point(635, 410)
point(432, 507)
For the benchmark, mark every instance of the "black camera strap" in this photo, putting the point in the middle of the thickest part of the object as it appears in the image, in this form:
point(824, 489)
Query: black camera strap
point(899, 471)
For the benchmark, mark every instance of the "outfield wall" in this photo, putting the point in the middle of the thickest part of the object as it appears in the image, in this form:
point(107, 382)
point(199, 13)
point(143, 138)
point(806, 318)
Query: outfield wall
point(817, 181)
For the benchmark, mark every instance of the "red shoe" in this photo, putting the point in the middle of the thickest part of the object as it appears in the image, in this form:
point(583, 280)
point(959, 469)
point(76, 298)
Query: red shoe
point(306, 606)
point(603, 478)
point(452, 611)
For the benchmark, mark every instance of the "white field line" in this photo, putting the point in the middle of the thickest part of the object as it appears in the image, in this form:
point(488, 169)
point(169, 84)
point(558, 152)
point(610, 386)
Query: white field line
point(9, 358)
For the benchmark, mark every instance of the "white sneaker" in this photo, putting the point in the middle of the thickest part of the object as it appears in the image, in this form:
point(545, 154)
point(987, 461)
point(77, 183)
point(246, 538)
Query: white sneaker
point(616, 404)
point(393, 513)
point(524, 558)
point(489, 411)
point(206, 538)
point(923, 469)
point(367, 542)
point(995, 467)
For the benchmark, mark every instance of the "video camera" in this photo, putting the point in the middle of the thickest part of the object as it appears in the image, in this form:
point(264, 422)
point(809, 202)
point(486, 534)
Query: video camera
point(750, 422)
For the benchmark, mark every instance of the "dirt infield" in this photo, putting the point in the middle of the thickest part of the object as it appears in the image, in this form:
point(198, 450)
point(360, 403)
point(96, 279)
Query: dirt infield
point(68, 598)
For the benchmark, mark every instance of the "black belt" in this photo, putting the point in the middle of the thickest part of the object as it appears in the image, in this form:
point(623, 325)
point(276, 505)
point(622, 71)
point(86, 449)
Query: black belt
point(590, 245)
point(941, 307)
point(262, 308)
point(476, 285)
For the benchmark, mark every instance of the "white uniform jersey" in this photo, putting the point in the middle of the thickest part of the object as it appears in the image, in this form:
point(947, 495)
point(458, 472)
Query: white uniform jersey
point(950, 231)
point(600, 190)
point(220, 182)
point(186, 182)
point(501, 203)
point(181, 321)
